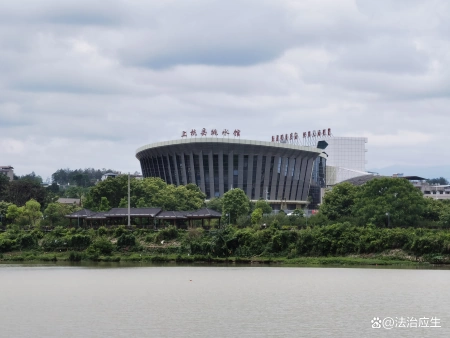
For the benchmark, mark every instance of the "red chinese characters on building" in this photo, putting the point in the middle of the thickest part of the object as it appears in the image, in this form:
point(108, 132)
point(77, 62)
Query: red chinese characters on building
point(237, 133)
point(214, 132)
point(273, 138)
point(319, 133)
point(278, 138)
point(304, 134)
point(204, 133)
point(295, 136)
point(281, 138)
point(225, 132)
point(183, 134)
point(193, 132)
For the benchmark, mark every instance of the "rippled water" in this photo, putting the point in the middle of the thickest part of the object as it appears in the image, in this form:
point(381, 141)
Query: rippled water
point(177, 301)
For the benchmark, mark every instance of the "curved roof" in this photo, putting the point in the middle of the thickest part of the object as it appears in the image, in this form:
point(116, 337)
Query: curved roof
point(226, 141)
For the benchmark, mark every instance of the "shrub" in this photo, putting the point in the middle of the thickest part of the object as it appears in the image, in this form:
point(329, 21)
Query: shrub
point(103, 245)
point(75, 256)
point(80, 242)
point(119, 231)
point(27, 241)
point(6, 245)
point(167, 234)
point(102, 231)
point(126, 240)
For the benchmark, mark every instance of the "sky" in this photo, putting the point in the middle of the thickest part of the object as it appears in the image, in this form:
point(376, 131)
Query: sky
point(83, 84)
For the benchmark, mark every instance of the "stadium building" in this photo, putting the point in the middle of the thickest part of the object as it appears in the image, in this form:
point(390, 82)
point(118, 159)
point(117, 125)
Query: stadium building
point(286, 174)
point(289, 172)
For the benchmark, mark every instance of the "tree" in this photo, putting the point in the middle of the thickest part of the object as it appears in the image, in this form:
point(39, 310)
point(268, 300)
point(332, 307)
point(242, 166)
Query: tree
point(14, 212)
point(235, 203)
point(439, 180)
point(104, 205)
point(257, 216)
point(33, 212)
point(21, 191)
point(339, 201)
point(396, 196)
point(149, 192)
point(264, 206)
point(215, 204)
point(4, 183)
point(55, 212)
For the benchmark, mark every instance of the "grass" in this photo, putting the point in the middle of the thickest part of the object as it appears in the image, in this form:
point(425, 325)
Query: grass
point(174, 258)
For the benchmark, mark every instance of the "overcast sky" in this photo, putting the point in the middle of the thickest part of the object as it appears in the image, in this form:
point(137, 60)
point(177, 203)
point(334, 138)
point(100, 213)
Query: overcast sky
point(85, 83)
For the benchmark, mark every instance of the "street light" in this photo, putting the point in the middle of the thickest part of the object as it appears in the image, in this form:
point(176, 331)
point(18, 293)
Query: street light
point(228, 218)
point(389, 225)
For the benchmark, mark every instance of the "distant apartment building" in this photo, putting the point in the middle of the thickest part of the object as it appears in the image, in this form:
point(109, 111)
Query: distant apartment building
point(8, 171)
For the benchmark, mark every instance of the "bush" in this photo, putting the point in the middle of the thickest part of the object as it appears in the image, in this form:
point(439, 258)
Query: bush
point(7, 245)
point(27, 241)
point(102, 231)
point(167, 234)
point(75, 256)
point(103, 245)
point(79, 242)
point(120, 231)
point(126, 240)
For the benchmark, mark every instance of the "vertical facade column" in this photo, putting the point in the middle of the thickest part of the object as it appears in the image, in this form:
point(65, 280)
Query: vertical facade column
point(289, 178)
point(282, 178)
point(175, 169)
point(202, 172)
point(221, 192)
point(250, 175)
point(307, 180)
point(230, 169)
point(241, 172)
point(183, 172)
point(211, 175)
point(301, 179)
point(267, 177)
point(258, 177)
point(274, 178)
point(293, 191)
point(191, 156)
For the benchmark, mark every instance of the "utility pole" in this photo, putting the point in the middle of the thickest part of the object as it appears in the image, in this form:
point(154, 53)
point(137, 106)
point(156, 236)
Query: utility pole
point(129, 222)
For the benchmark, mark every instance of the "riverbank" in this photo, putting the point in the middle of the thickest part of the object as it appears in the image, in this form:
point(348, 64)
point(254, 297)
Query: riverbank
point(374, 260)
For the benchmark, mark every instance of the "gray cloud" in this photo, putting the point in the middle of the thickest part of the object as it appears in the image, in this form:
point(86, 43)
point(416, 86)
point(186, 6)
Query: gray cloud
point(84, 84)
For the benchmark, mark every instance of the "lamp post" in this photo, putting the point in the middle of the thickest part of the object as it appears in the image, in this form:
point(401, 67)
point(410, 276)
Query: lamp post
point(389, 225)
point(228, 218)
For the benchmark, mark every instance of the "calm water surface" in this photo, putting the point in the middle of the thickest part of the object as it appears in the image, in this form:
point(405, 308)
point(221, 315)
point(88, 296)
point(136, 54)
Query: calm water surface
point(177, 301)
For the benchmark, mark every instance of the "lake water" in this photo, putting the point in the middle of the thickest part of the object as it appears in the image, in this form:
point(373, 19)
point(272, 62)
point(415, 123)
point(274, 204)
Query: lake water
point(220, 301)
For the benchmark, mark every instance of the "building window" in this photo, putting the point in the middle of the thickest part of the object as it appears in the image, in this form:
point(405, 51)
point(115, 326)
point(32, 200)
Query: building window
point(272, 162)
point(180, 169)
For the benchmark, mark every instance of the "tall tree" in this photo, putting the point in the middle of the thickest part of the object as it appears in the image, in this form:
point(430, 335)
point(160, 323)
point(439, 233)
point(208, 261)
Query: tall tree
point(393, 200)
point(235, 204)
point(339, 201)
point(21, 191)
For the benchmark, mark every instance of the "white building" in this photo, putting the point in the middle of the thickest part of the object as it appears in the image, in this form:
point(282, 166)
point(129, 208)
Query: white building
point(346, 158)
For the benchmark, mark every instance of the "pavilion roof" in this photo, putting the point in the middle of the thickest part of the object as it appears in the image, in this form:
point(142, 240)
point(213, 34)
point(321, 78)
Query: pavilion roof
point(83, 213)
point(204, 213)
point(172, 215)
point(142, 212)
